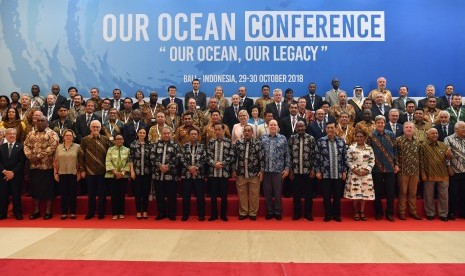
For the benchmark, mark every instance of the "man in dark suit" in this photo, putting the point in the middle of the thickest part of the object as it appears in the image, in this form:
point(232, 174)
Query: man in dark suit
point(313, 100)
point(244, 102)
point(172, 99)
point(328, 118)
point(288, 123)
point(430, 92)
point(12, 167)
point(231, 113)
point(409, 112)
point(380, 108)
point(393, 124)
point(401, 102)
point(317, 129)
point(200, 97)
point(50, 108)
point(82, 124)
point(444, 127)
point(446, 100)
point(117, 102)
point(279, 108)
point(72, 92)
point(59, 98)
point(132, 126)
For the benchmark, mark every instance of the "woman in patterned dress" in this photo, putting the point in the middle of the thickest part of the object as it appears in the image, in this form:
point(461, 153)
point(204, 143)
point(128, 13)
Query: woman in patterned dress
point(359, 185)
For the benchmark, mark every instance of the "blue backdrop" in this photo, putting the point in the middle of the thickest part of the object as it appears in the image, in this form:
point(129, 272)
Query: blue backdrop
point(149, 45)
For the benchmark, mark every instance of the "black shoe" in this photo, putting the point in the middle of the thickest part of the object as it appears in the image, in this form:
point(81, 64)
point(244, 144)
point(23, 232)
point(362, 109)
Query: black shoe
point(242, 217)
point(101, 217)
point(269, 216)
point(201, 218)
point(451, 217)
point(254, 218)
point(172, 218)
point(72, 216)
point(296, 217)
point(443, 218)
point(429, 217)
point(378, 216)
point(35, 215)
point(338, 219)
point(212, 218)
point(309, 218)
point(390, 218)
point(224, 218)
point(327, 218)
point(184, 218)
point(88, 216)
point(19, 217)
point(160, 217)
point(63, 217)
point(278, 217)
point(47, 216)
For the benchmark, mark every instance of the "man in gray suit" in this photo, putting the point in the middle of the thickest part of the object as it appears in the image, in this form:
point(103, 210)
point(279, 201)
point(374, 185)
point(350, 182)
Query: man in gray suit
point(400, 102)
point(331, 95)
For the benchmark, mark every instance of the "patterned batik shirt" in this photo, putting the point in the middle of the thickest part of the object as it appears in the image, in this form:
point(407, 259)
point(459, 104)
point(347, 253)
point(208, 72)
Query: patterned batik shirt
point(92, 154)
point(408, 157)
point(457, 145)
point(249, 159)
point(330, 159)
point(166, 153)
point(139, 156)
point(302, 150)
point(220, 151)
point(385, 149)
point(42, 146)
point(193, 155)
point(433, 163)
point(276, 152)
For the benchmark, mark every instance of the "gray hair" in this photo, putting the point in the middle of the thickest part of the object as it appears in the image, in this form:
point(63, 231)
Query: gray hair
point(380, 117)
point(443, 112)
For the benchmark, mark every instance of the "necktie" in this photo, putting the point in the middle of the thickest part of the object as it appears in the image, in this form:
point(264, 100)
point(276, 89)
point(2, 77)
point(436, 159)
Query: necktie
point(88, 119)
point(321, 126)
point(50, 111)
point(444, 129)
point(393, 126)
point(293, 121)
point(104, 117)
point(410, 117)
point(241, 102)
point(10, 148)
point(172, 100)
point(448, 100)
point(381, 108)
point(312, 99)
point(235, 111)
point(279, 110)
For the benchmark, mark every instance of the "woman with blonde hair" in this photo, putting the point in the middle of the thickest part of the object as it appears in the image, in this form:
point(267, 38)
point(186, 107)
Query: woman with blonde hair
point(172, 118)
point(237, 132)
point(222, 101)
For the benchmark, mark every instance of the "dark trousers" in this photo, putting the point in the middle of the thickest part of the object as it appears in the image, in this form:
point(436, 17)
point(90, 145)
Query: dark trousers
point(96, 187)
point(166, 189)
point(117, 192)
point(384, 184)
point(141, 192)
point(302, 186)
point(198, 185)
point(332, 188)
point(457, 194)
point(272, 188)
point(68, 193)
point(219, 188)
point(13, 188)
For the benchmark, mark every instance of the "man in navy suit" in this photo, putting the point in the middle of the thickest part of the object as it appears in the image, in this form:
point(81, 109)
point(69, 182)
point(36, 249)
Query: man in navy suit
point(318, 129)
point(173, 99)
point(288, 124)
point(82, 125)
point(444, 127)
point(200, 97)
point(12, 166)
point(313, 100)
point(117, 102)
point(279, 108)
point(231, 112)
point(394, 125)
point(244, 102)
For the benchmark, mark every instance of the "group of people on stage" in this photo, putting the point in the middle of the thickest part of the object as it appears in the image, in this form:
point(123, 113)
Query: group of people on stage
point(356, 148)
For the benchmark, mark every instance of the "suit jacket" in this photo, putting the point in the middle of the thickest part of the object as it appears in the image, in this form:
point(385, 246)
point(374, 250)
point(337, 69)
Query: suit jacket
point(229, 117)
point(201, 100)
point(247, 105)
point(284, 110)
point(331, 96)
point(81, 128)
point(54, 113)
point(442, 134)
point(316, 103)
point(375, 111)
point(444, 102)
point(285, 126)
point(121, 103)
point(130, 133)
point(165, 102)
point(315, 130)
point(399, 131)
point(14, 162)
point(422, 103)
point(404, 118)
point(68, 103)
point(399, 104)
point(60, 100)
